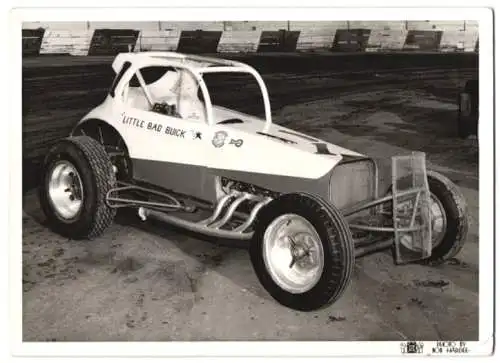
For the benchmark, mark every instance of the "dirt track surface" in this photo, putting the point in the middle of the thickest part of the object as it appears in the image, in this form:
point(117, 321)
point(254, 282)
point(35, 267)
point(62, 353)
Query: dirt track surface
point(146, 281)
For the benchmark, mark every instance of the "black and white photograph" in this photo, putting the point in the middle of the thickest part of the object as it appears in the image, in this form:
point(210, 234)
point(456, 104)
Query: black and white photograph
point(292, 180)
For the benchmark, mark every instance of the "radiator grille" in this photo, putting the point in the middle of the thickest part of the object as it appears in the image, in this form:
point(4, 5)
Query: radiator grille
point(352, 183)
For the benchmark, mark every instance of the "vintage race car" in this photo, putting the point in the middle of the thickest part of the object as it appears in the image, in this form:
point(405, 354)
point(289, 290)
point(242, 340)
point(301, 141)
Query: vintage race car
point(159, 144)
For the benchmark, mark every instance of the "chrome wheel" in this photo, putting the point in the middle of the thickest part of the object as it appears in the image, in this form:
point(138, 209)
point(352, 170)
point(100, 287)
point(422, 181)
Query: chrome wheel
point(438, 221)
point(438, 225)
point(293, 253)
point(65, 190)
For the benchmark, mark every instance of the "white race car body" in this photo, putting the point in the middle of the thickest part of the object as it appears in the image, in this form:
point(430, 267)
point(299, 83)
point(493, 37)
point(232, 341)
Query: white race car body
point(190, 152)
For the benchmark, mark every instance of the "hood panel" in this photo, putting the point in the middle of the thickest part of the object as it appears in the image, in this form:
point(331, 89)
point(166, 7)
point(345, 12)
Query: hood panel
point(279, 134)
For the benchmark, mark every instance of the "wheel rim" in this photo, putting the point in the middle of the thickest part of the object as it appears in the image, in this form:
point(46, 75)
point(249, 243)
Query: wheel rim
point(65, 190)
point(438, 221)
point(438, 225)
point(293, 253)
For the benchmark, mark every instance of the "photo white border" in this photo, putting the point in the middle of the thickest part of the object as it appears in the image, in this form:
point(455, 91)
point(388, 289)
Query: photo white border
point(251, 349)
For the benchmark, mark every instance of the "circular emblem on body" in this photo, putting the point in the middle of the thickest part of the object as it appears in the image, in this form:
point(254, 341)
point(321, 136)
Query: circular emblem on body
point(219, 138)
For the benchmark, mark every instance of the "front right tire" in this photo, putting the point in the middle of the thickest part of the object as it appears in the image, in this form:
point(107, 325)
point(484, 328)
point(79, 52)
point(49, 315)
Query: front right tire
point(451, 204)
point(449, 218)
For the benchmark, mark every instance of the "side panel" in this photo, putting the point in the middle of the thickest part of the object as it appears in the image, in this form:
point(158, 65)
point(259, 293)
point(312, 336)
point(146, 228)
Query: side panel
point(191, 180)
point(165, 151)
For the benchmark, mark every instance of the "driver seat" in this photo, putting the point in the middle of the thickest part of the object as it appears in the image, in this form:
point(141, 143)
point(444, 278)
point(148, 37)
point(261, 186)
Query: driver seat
point(189, 106)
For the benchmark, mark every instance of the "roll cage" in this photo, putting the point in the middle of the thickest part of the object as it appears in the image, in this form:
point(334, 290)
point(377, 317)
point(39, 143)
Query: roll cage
point(128, 65)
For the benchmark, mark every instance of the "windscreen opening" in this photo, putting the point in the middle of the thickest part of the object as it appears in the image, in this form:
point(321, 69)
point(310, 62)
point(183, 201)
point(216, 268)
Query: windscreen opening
point(236, 91)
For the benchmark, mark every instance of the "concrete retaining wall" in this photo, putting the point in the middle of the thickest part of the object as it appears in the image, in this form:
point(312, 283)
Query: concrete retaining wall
point(76, 38)
point(239, 41)
point(75, 42)
point(160, 40)
point(312, 39)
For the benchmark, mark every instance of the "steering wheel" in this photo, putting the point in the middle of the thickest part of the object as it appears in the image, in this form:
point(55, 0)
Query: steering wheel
point(165, 109)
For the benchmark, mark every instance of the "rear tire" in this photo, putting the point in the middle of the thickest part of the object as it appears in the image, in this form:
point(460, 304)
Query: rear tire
point(77, 169)
point(325, 282)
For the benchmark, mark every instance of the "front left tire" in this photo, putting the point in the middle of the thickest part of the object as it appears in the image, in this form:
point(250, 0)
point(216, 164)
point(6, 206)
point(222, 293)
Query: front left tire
point(302, 251)
point(76, 176)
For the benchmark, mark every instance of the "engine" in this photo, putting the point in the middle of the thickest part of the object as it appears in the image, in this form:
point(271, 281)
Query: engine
point(229, 185)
